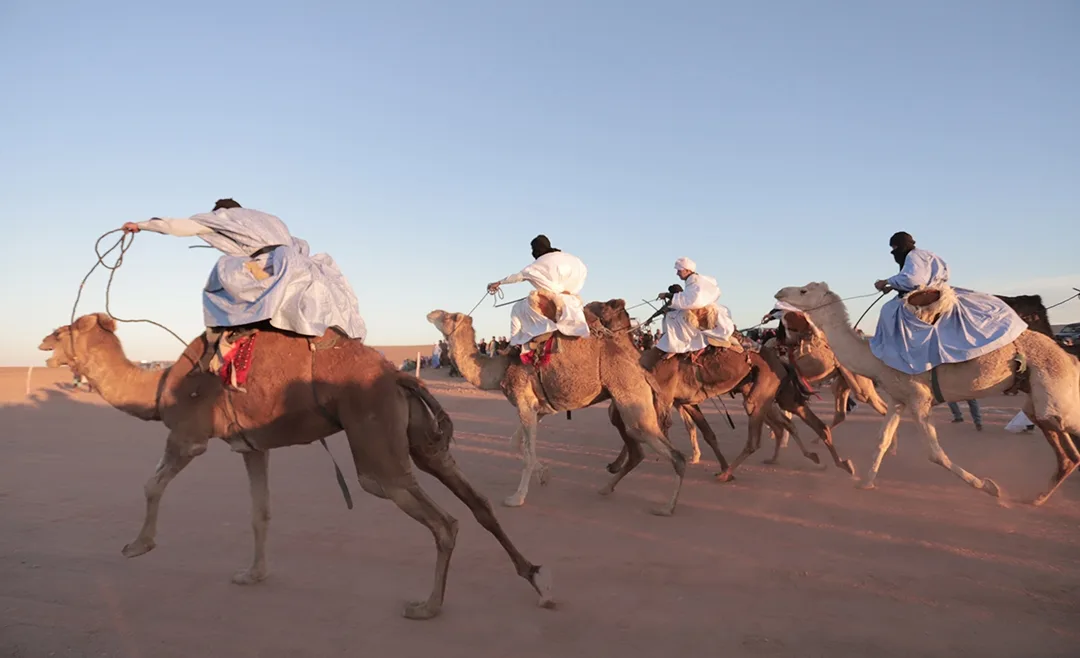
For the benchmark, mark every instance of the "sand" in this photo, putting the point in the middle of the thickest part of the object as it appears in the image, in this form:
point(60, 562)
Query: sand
point(787, 561)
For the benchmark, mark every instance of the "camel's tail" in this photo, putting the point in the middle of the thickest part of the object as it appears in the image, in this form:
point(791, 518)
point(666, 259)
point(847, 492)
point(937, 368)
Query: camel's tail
point(444, 425)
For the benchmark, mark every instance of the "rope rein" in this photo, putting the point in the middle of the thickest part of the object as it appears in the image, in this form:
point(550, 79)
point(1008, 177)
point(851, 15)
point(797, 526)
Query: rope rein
point(124, 243)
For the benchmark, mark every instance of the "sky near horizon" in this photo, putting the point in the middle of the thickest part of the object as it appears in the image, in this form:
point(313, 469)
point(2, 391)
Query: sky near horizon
point(423, 144)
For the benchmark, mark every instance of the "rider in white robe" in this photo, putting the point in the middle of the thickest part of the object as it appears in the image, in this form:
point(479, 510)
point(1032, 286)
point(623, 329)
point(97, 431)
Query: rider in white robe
point(555, 272)
point(976, 325)
point(701, 291)
point(265, 274)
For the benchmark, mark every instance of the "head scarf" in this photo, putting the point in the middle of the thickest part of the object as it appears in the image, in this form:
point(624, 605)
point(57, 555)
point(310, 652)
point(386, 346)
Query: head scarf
point(902, 244)
point(541, 245)
point(685, 263)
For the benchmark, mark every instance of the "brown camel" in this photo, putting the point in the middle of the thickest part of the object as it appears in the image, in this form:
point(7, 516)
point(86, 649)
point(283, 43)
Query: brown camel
point(298, 391)
point(761, 378)
point(582, 372)
point(814, 361)
point(1033, 364)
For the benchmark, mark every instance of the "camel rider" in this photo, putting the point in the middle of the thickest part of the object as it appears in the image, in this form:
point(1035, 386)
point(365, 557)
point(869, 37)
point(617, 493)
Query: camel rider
point(557, 275)
point(265, 275)
point(974, 325)
point(695, 320)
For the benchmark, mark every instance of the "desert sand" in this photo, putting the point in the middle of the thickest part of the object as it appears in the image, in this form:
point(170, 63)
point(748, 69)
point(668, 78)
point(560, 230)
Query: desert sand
point(787, 561)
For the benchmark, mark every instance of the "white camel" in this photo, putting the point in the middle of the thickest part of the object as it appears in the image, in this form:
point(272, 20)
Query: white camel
point(1032, 364)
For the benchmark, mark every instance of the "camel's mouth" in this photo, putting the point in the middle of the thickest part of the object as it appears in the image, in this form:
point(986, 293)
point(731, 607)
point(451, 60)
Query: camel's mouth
point(435, 317)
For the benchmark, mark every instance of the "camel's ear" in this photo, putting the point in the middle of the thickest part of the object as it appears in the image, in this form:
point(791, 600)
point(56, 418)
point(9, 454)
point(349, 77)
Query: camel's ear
point(617, 303)
point(106, 322)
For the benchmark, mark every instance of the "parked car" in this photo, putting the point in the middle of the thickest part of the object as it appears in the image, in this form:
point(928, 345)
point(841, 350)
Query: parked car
point(1069, 334)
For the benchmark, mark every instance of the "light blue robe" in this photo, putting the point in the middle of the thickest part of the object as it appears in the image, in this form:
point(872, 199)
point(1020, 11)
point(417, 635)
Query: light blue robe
point(304, 294)
point(978, 324)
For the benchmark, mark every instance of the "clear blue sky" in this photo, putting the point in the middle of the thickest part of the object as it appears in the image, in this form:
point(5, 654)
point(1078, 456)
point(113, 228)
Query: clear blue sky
point(423, 144)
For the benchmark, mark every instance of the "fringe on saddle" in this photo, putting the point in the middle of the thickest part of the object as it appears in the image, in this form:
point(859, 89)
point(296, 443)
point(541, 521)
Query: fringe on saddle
point(929, 304)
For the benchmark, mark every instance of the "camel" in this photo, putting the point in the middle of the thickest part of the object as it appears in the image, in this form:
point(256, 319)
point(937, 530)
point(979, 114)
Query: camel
point(1033, 364)
point(298, 391)
point(582, 372)
point(761, 379)
point(814, 361)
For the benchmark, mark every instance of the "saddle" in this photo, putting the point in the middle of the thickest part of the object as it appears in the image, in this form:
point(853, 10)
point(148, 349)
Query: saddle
point(229, 350)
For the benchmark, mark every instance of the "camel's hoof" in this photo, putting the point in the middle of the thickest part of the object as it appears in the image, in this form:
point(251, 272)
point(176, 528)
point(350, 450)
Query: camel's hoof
point(420, 610)
point(865, 486)
point(138, 547)
point(606, 491)
point(542, 583)
point(249, 576)
point(1040, 499)
point(514, 501)
point(848, 466)
point(812, 456)
point(725, 477)
point(695, 459)
point(991, 487)
point(662, 511)
point(771, 461)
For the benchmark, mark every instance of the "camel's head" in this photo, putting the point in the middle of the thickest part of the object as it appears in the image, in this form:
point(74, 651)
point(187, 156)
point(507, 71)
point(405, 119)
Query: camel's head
point(612, 314)
point(447, 323)
point(812, 295)
point(71, 342)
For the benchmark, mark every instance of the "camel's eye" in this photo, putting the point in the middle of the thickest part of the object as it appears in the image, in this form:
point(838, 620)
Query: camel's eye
point(803, 291)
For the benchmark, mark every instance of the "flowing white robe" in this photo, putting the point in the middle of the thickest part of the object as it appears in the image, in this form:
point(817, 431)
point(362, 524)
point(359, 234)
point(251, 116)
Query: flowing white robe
point(562, 275)
point(300, 293)
point(679, 335)
point(978, 323)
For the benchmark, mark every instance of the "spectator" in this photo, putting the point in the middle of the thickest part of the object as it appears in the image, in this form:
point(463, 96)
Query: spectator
point(973, 407)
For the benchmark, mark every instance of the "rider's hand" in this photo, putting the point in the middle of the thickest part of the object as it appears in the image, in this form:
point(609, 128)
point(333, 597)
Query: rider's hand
point(882, 285)
point(131, 227)
point(493, 288)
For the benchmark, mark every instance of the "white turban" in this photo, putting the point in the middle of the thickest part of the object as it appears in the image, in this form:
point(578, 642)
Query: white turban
point(685, 263)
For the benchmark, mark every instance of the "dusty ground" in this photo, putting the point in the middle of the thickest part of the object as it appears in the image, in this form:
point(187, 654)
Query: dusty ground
point(788, 561)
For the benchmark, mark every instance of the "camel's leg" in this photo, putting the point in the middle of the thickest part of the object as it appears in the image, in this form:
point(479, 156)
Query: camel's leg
point(529, 422)
point(841, 392)
point(445, 469)
point(179, 451)
point(1066, 462)
point(775, 418)
point(938, 456)
point(887, 438)
point(694, 412)
point(413, 501)
point(757, 401)
point(688, 422)
point(258, 467)
point(620, 461)
point(517, 443)
point(640, 425)
point(825, 434)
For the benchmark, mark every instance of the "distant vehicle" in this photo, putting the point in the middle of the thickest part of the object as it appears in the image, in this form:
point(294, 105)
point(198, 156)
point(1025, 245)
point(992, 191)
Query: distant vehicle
point(1069, 334)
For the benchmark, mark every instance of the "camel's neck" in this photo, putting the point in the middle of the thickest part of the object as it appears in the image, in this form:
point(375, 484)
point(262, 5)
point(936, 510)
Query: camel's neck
point(120, 382)
point(851, 349)
point(483, 372)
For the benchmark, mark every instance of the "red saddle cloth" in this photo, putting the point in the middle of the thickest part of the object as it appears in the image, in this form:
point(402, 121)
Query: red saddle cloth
point(539, 357)
point(238, 361)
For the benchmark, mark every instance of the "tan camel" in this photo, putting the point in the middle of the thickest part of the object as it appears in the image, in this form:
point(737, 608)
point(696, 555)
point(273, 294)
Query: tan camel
point(1049, 377)
point(298, 392)
point(814, 361)
point(582, 372)
point(761, 378)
